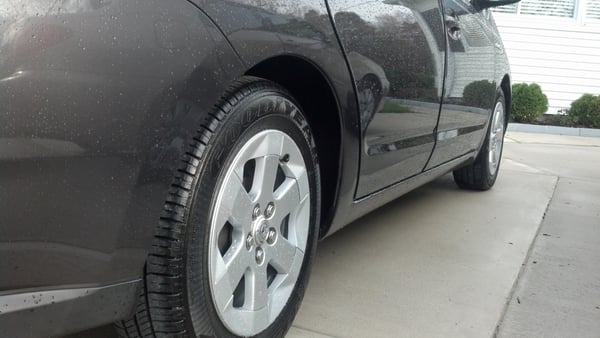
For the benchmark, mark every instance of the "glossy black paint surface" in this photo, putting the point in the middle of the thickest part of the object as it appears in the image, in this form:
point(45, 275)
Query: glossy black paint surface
point(396, 52)
point(471, 82)
point(98, 100)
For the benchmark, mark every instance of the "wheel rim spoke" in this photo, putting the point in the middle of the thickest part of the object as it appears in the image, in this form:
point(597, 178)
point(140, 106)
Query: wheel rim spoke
point(234, 204)
point(283, 254)
point(267, 144)
point(295, 167)
point(264, 178)
point(256, 289)
point(298, 234)
point(287, 198)
point(260, 318)
point(231, 272)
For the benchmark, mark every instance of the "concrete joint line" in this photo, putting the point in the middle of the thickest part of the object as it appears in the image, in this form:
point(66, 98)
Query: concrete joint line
point(523, 265)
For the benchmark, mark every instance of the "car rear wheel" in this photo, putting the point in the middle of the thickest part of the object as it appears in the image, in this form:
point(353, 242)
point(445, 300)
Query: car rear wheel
point(482, 173)
point(233, 250)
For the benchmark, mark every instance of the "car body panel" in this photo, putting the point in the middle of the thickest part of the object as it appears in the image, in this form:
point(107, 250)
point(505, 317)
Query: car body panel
point(471, 87)
point(406, 40)
point(94, 122)
point(52, 313)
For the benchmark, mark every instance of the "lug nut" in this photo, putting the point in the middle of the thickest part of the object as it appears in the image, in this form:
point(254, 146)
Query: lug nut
point(249, 240)
point(271, 236)
point(256, 211)
point(260, 255)
point(270, 210)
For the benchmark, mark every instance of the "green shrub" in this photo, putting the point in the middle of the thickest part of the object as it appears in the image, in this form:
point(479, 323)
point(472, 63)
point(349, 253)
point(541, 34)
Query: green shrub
point(480, 94)
point(586, 111)
point(561, 120)
point(528, 102)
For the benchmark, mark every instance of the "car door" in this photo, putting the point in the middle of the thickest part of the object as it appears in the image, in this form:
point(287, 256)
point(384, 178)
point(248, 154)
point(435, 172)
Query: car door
point(395, 49)
point(470, 90)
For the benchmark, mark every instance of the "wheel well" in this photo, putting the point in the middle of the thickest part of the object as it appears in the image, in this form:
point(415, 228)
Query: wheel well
point(506, 89)
point(309, 86)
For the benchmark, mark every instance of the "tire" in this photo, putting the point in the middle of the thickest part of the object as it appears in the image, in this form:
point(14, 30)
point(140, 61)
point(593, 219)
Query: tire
point(482, 173)
point(233, 249)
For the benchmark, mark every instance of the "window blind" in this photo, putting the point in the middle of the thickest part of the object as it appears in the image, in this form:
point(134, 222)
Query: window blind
point(592, 11)
point(506, 9)
point(560, 8)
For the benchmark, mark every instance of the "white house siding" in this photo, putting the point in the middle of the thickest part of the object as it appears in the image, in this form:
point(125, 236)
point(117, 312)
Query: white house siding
point(562, 55)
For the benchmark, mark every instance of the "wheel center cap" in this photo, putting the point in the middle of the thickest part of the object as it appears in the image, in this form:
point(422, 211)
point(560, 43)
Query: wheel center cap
point(261, 231)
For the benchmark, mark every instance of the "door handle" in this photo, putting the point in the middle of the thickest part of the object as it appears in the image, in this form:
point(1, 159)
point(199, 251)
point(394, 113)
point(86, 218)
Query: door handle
point(452, 26)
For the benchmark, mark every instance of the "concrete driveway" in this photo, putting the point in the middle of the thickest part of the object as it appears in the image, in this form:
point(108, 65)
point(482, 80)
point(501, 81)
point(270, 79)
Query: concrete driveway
point(443, 262)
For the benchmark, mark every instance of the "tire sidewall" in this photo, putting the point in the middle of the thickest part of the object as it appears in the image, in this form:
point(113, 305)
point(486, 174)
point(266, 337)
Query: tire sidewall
point(255, 112)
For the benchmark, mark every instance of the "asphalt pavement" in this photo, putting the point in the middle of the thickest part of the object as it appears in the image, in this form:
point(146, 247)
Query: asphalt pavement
point(520, 260)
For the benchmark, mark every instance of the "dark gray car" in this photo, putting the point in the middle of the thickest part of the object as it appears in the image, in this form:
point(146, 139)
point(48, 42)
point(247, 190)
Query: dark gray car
point(170, 165)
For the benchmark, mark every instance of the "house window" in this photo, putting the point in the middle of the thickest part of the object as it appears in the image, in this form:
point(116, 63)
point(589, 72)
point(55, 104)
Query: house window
point(586, 11)
point(559, 8)
point(506, 9)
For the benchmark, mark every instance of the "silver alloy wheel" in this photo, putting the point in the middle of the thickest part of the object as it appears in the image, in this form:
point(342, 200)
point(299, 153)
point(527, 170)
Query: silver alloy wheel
point(496, 138)
point(259, 232)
